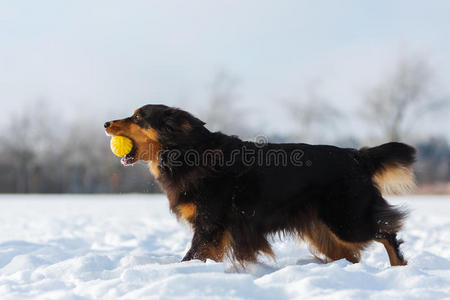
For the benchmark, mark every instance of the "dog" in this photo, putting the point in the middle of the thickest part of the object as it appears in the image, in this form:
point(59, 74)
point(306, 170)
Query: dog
point(236, 194)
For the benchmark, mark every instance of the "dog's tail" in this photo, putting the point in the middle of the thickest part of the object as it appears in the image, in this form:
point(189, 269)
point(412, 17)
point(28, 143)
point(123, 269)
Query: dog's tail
point(391, 167)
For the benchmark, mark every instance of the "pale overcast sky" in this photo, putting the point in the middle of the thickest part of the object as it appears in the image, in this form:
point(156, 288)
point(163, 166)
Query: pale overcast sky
point(105, 58)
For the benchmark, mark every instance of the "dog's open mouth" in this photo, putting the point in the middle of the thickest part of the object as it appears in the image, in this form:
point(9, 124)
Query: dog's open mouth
point(130, 158)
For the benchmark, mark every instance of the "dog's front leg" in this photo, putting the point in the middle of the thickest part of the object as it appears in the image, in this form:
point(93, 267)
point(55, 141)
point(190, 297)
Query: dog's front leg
point(195, 245)
point(207, 245)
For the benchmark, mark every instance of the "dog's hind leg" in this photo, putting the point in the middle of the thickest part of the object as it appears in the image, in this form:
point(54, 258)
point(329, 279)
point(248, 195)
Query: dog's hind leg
point(392, 245)
point(326, 242)
point(389, 221)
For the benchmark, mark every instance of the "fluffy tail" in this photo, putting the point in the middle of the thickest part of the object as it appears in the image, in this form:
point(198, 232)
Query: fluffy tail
point(391, 167)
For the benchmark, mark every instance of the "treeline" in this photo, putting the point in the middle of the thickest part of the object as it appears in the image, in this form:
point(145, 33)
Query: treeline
point(43, 157)
point(75, 158)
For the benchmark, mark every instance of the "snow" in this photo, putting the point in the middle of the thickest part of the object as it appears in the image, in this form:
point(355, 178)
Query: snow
point(129, 246)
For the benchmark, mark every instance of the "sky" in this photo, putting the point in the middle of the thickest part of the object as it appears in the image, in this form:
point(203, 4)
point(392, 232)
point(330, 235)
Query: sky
point(103, 59)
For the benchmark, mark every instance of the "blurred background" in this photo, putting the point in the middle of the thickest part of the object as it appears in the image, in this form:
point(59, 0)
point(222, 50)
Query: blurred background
point(349, 73)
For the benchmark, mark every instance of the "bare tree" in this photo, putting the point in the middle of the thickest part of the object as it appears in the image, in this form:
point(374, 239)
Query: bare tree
point(313, 115)
point(27, 142)
point(221, 112)
point(402, 98)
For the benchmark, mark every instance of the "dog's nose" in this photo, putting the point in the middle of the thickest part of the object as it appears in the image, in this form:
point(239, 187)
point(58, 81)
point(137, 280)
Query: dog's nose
point(107, 124)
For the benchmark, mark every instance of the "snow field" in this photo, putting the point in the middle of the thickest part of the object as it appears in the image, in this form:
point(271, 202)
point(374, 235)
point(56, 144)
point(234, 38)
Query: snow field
point(129, 247)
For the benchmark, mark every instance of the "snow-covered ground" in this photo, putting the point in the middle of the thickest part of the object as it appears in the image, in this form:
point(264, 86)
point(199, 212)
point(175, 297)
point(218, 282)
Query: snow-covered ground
point(129, 246)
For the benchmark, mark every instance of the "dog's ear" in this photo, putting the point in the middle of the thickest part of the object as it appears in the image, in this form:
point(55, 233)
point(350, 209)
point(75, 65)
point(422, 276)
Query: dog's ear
point(181, 128)
point(179, 120)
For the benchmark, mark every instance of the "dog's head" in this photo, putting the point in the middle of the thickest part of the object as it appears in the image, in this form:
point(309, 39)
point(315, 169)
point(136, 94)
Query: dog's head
point(152, 127)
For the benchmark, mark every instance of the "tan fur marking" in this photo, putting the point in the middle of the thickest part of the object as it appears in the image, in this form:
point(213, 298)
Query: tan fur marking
point(327, 243)
point(393, 259)
point(394, 179)
point(216, 251)
point(187, 210)
point(149, 132)
point(186, 126)
point(154, 168)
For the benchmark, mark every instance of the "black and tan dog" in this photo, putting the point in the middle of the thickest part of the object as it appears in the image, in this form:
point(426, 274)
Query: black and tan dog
point(236, 194)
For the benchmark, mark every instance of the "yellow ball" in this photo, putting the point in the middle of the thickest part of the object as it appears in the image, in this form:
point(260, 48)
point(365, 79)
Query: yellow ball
point(121, 145)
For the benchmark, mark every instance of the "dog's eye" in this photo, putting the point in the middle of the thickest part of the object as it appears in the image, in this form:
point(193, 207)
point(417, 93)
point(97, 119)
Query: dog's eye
point(137, 118)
